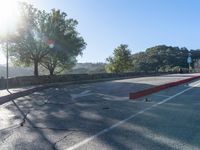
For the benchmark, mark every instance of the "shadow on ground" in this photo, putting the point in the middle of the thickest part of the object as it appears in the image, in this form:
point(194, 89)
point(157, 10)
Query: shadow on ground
point(58, 118)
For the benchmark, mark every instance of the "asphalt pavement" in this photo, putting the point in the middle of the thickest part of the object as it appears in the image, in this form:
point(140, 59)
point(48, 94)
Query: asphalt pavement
point(100, 116)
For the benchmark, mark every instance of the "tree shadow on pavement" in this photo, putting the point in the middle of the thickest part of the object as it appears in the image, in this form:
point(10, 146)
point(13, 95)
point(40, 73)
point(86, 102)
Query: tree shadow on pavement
point(53, 119)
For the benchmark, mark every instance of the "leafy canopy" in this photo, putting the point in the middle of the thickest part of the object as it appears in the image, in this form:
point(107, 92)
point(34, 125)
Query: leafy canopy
point(121, 60)
point(48, 39)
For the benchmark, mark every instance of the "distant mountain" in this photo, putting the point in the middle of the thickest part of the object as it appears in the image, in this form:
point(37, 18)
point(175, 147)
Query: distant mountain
point(15, 71)
point(79, 68)
point(88, 68)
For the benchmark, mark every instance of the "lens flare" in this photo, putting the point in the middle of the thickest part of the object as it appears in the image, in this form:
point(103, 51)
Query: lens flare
point(8, 16)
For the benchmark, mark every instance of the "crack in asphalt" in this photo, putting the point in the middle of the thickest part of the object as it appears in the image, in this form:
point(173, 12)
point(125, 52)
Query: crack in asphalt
point(32, 108)
point(54, 145)
point(8, 135)
point(32, 124)
point(4, 139)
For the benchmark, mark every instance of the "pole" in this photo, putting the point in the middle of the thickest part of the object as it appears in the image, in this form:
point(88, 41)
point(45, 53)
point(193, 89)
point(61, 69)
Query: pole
point(190, 68)
point(7, 65)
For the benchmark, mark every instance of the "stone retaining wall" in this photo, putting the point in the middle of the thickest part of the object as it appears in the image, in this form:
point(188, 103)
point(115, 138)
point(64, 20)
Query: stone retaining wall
point(32, 80)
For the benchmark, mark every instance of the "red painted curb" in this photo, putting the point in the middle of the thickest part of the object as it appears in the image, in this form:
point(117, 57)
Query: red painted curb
point(145, 92)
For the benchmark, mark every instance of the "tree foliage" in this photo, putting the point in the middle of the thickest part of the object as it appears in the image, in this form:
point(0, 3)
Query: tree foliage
point(48, 39)
point(66, 42)
point(163, 58)
point(140, 62)
point(121, 60)
point(29, 48)
point(159, 58)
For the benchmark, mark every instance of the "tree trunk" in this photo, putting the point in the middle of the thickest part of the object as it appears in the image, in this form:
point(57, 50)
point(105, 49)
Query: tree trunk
point(35, 68)
point(51, 71)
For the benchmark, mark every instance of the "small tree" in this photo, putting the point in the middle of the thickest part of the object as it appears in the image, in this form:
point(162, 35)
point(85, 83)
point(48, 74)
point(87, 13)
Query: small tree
point(121, 61)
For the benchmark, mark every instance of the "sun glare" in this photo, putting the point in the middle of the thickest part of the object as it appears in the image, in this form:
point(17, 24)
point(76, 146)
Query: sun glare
point(8, 15)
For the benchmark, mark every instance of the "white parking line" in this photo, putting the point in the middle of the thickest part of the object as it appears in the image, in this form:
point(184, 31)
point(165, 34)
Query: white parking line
point(77, 145)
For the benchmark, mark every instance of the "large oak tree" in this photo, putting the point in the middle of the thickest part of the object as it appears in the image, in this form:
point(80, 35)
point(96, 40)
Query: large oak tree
point(65, 42)
point(49, 39)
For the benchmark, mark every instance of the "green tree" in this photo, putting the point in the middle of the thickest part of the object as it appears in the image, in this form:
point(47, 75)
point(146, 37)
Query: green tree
point(30, 47)
point(121, 61)
point(164, 57)
point(195, 54)
point(48, 39)
point(65, 44)
point(140, 62)
point(160, 58)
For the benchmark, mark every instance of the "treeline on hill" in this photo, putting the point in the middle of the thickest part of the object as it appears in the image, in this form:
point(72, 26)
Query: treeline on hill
point(88, 68)
point(159, 58)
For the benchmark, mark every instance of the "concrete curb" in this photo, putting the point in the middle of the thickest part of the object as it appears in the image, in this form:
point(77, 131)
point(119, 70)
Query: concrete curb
point(148, 91)
point(12, 96)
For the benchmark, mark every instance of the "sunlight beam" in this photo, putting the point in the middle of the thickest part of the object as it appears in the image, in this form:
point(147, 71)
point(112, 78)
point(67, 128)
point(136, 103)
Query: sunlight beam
point(8, 16)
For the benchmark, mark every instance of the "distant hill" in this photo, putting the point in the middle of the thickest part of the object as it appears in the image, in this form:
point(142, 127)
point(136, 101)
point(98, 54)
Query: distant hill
point(88, 68)
point(15, 71)
point(78, 69)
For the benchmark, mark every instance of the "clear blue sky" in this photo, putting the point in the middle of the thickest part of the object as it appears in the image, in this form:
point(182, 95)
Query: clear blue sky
point(104, 24)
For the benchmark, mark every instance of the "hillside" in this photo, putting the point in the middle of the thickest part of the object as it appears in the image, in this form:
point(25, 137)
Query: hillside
point(88, 68)
point(78, 69)
point(15, 71)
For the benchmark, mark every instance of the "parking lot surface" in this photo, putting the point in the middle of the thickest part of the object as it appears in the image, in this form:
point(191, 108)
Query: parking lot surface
point(100, 116)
